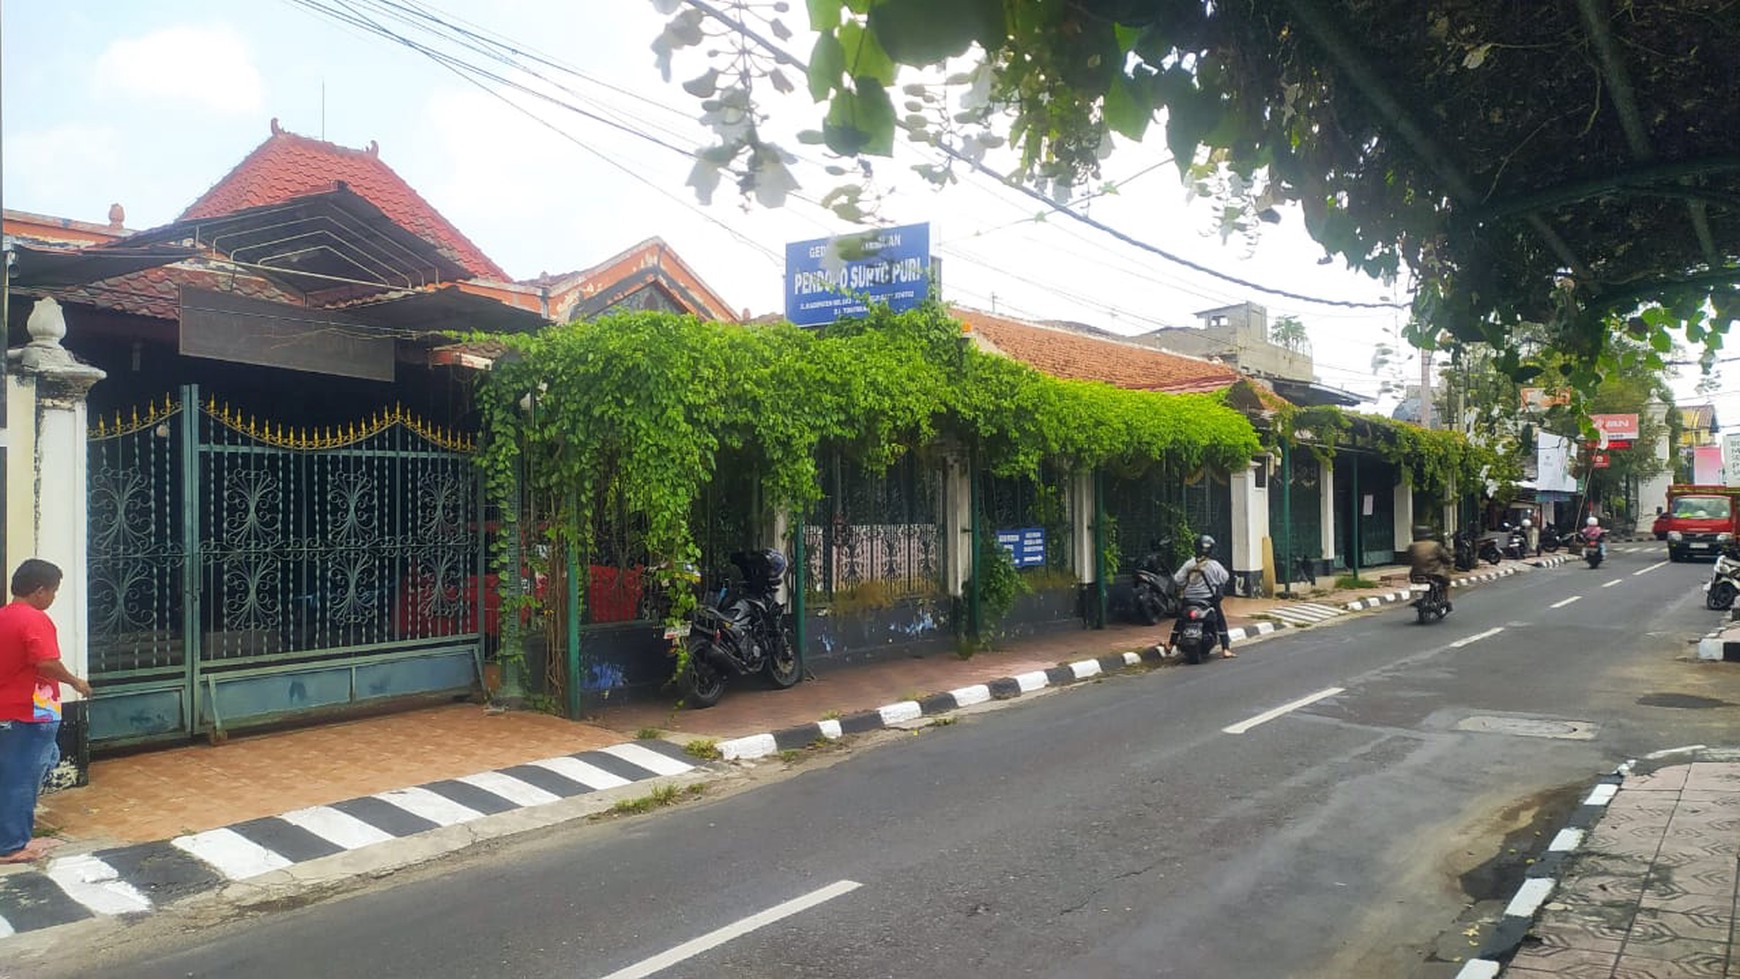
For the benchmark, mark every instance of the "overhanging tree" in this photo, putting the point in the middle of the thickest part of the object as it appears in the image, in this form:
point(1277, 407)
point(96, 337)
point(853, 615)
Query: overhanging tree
point(1556, 164)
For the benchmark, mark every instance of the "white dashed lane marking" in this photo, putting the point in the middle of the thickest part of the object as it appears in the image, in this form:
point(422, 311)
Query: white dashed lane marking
point(736, 929)
point(1573, 598)
point(1658, 564)
point(1458, 644)
point(1269, 715)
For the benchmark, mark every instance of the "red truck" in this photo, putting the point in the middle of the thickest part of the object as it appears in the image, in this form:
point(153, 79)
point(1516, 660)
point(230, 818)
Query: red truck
point(1699, 519)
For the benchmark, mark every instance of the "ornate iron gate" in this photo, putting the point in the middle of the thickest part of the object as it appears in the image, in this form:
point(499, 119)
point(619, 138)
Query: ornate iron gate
point(242, 570)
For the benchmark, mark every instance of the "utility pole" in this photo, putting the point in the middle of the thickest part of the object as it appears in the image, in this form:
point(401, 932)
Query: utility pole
point(1425, 388)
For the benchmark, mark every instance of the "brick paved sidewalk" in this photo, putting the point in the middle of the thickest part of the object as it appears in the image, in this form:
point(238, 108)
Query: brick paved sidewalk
point(1651, 893)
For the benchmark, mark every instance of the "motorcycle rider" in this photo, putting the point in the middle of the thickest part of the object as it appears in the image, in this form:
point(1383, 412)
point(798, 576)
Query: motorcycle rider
point(1204, 579)
point(1429, 560)
point(1593, 535)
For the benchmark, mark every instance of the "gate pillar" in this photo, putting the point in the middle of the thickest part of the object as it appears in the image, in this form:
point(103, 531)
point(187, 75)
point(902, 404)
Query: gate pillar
point(47, 494)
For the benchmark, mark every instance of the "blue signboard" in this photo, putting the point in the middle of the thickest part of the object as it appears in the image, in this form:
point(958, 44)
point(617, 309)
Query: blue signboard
point(830, 278)
point(1027, 544)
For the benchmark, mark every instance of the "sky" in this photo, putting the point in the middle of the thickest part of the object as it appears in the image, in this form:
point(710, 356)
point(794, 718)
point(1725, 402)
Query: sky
point(148, 104)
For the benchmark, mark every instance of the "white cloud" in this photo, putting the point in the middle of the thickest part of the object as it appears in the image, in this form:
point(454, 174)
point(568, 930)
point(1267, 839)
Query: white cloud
point(209, 66)
point(53, 171)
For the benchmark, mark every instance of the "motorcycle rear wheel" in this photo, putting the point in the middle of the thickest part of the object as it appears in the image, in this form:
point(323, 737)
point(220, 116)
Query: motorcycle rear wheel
point(1148, 606)
point(702, 685)
point(1721, 596)
point(783, 669)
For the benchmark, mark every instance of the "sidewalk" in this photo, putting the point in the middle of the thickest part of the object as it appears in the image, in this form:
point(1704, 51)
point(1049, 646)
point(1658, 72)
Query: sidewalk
point(285, 808)
point(1650, 890)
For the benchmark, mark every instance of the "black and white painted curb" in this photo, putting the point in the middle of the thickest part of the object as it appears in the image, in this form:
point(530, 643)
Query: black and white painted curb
point(1542, 878)
point(893, 715)
point(135, 879)
point(1722, 645)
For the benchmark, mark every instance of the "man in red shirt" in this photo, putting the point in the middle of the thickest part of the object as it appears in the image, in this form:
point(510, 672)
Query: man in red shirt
point(30, 677)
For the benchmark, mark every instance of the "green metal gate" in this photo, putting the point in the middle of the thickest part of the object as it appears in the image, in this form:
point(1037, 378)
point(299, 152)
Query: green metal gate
point(242, 571)
point(1307, 498)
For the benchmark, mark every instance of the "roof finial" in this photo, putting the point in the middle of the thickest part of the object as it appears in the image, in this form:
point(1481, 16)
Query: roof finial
point(117, 216)
point(374, 148)
point(275, 130)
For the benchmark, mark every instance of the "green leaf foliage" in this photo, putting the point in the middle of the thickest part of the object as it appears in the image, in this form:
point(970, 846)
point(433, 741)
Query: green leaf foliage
point(924, 32)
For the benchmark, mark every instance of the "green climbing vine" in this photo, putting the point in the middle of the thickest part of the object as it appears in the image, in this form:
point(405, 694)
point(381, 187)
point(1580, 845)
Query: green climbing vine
point(633, 413)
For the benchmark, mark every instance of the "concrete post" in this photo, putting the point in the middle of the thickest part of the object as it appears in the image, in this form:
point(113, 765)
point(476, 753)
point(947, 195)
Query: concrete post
point(47, 494)
point(957, 524)
point(1404, 513)
point(1326, 504)
point(1081, 511)
point(1250, 524)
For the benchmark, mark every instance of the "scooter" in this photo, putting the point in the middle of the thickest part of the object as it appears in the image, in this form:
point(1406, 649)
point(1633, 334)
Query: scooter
point(1467, 544)
point(1488, 550)
point(1434, 604)
point(1724, 584)
point(1156, 595)
point(1595, 551)
point(1196, 630)
point(1516, 545)
point(1551, 539)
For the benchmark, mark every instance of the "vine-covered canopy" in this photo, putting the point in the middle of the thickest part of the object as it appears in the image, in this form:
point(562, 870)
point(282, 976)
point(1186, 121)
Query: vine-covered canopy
point(1555, 163)
point(642, 406)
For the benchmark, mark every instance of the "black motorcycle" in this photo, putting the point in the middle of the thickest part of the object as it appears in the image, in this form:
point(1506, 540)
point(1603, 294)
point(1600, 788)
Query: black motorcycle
point(1487, 550)
point(741, 635)
point(1467, 544)
point(1156, 595)
point(1594, 551)
point(1197, 630)
point(1435, 603)
point(1551, 539)
point(1516, 543)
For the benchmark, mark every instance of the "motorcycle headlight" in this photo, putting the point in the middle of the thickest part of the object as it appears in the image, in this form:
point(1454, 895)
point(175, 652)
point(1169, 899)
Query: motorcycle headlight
point(1674, 535)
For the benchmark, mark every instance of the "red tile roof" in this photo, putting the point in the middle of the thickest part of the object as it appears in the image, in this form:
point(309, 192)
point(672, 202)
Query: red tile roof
point(288, 166)
point(157, 292)
point(1077, 356)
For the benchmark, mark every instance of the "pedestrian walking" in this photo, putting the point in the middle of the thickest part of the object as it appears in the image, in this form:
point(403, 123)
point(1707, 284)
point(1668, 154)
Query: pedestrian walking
point(30, 677)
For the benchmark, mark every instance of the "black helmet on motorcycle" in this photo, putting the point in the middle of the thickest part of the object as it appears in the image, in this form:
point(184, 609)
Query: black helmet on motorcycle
point(1423, 532)
point(1204, 545)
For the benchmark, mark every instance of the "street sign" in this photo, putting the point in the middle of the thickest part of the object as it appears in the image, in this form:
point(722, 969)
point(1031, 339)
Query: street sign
point(830, 278)
point(1599, 460)
point(1025, 544)
point(1612, 428)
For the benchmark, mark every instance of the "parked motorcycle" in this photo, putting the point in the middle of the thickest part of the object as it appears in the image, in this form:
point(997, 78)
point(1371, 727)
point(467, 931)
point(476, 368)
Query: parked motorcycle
point(1196, 630)
point(1551, 539)
point(1488, 550)
point(1156, 594)
point(1466, 544)
point(741, 635)
point(1724, 584)
point(1435, 603)
point(1516, 543)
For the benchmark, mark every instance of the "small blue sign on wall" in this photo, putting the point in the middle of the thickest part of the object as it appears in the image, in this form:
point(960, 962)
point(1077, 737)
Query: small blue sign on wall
point(1027, 544)
point(830, 278)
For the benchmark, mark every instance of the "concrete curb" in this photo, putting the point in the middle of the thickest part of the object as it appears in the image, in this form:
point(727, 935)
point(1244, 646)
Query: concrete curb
point(1723, 645)
point(902, 712)
point(324, 845)
point(1542, 879)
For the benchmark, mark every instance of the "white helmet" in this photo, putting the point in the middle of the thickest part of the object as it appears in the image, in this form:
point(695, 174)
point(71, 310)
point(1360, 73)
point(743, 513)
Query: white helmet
point(1526, 524)
point(1591, 522)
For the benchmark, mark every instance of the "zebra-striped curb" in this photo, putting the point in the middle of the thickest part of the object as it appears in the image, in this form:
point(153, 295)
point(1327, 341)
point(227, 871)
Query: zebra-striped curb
point(1541, 879)
point(137, 879)
point(754, 746)
point(1722, 645)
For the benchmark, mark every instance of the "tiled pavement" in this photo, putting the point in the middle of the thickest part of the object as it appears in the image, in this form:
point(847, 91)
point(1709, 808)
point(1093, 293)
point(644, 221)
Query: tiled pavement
point(159, 826)
point(1652, 892)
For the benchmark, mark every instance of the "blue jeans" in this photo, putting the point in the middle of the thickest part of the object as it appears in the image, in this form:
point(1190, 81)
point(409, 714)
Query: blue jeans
point(29, 750)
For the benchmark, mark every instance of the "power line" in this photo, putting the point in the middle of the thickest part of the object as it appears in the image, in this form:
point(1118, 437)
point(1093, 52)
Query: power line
point(789, 59)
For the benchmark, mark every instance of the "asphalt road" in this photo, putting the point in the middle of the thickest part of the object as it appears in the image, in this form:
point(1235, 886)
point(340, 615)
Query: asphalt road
point(1114, 829)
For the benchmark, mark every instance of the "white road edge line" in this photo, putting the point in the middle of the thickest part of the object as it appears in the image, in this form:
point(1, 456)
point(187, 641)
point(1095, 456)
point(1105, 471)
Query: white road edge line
point(1458, 644)
point(1267, 716)
point(713, 939)
point(1658, 564)
point(1573, 598)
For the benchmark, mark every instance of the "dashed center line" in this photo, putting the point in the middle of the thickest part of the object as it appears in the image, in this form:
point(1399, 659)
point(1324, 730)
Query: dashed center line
point(1573, 598)
point(1658, 564)
point(1458, 644)
point(1269, 715)
point(1615, 581)
point(714, 939)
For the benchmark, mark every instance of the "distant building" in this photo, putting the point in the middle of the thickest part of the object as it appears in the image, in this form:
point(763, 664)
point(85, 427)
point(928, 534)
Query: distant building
point(1238, 336)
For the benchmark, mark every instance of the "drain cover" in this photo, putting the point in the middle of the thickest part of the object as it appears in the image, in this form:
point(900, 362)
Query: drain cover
point(1529, 727)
